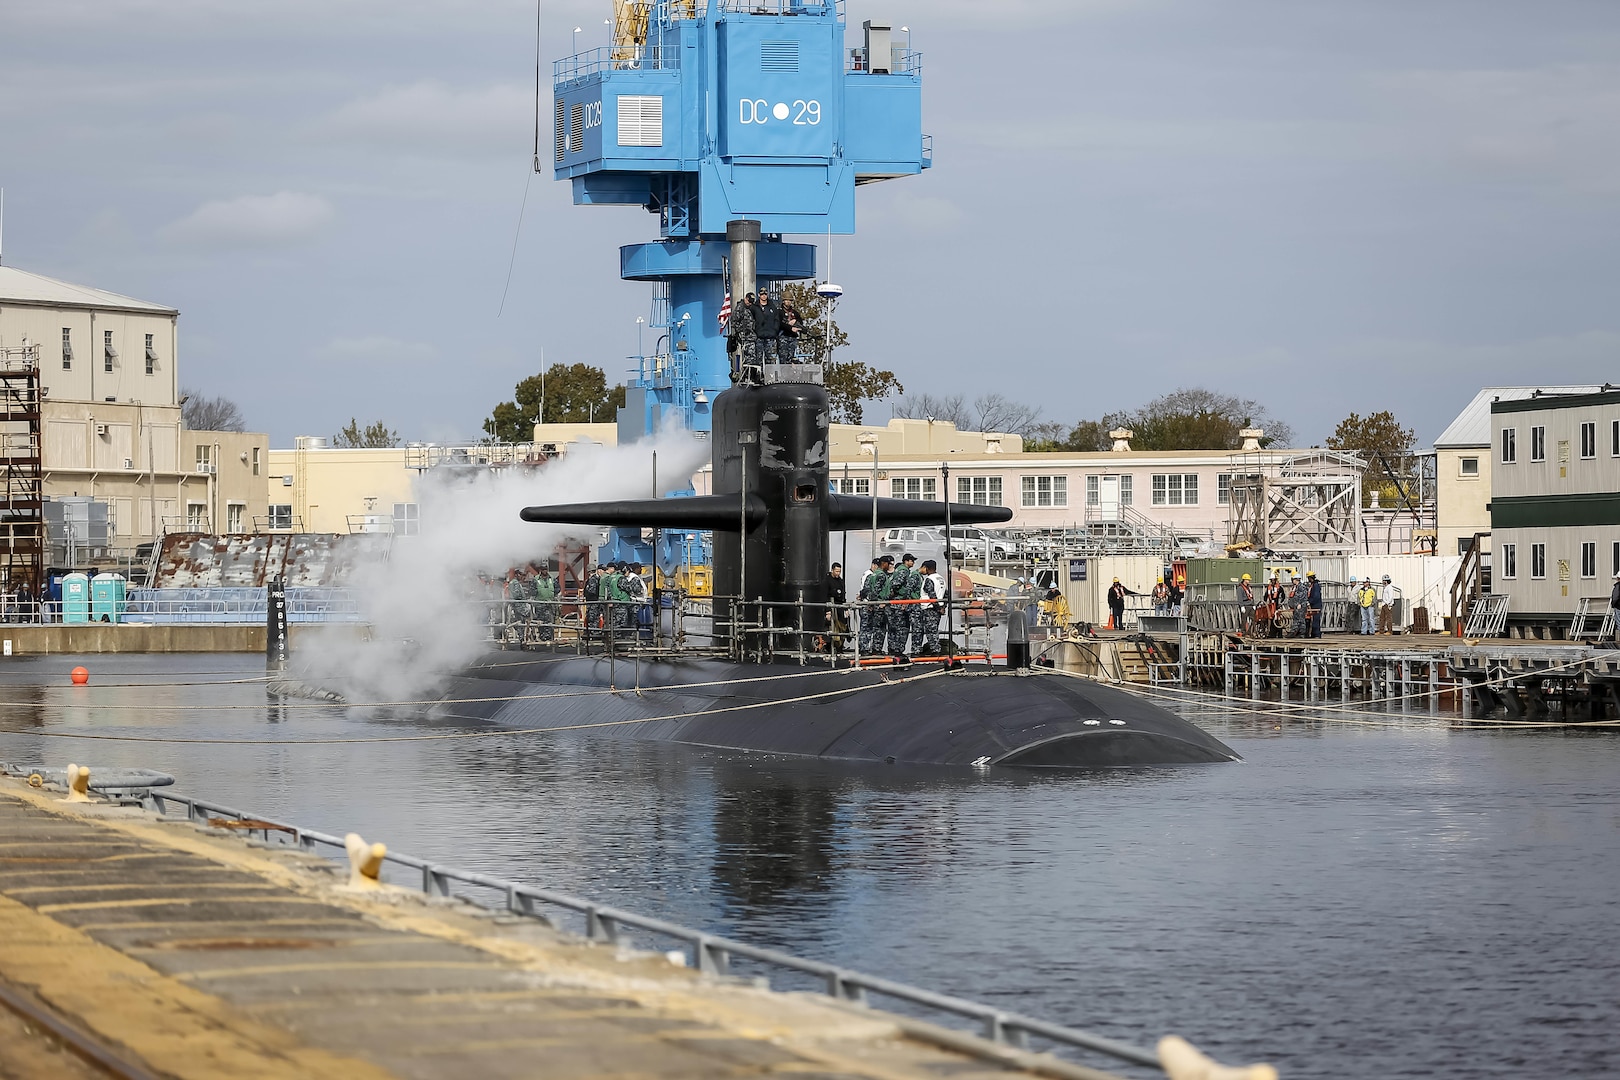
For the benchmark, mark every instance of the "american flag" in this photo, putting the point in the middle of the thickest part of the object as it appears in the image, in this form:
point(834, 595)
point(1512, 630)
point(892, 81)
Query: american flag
point(725, 311)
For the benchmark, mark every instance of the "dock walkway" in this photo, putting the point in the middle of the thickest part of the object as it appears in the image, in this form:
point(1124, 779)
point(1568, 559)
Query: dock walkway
point(190, 954)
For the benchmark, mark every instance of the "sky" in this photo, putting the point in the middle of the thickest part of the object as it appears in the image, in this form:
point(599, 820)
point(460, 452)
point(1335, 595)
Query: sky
point(1325, 206)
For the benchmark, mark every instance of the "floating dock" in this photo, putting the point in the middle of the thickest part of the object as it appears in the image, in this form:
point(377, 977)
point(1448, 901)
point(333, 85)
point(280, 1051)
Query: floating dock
point(1511, 679)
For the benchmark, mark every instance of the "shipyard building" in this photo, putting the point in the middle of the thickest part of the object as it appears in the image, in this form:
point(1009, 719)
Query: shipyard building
point(97, 459)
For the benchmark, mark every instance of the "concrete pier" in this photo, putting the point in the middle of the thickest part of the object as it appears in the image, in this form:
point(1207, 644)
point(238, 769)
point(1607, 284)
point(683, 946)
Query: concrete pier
point(86, 639)
point(194, 954)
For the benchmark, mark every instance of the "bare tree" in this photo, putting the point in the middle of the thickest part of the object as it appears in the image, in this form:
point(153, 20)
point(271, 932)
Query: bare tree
point(201, 413)
point(997, 413)
point(953, 409)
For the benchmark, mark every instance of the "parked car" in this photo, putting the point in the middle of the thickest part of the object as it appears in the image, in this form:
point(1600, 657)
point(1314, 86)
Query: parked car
point(921, 542)
point(969, 542)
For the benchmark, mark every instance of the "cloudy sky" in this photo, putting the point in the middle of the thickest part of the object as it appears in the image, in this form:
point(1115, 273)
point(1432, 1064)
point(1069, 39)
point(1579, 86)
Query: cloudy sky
point(1327, 205)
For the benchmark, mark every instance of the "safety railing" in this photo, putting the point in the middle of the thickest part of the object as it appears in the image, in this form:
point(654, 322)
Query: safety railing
point(711, 954)
point(582, 65)
point(306, 604)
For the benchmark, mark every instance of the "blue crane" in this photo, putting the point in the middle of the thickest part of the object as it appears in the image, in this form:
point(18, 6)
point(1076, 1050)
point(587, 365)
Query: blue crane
point(708, 112)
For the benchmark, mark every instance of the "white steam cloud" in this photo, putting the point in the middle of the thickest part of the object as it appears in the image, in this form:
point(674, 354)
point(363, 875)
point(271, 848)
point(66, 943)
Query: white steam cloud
point(422, 601)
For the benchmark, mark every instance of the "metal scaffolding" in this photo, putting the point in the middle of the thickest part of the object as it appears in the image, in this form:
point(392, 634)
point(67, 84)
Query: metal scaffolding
point(22, 513)
point(1309, 504)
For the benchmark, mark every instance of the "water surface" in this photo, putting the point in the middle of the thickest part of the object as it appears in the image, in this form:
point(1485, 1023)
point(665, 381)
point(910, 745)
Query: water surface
point(1389, 898)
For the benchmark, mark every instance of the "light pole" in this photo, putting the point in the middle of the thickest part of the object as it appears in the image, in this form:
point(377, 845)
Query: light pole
point(577, 31)
point(640, 322)
point(906, 30)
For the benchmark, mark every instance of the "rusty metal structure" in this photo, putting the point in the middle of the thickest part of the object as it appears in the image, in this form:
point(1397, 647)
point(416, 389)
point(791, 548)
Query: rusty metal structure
point(302, 560)
point(22, 505)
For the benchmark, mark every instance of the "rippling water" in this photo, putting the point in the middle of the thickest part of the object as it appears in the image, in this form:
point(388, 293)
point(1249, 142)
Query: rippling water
point(1384, 899)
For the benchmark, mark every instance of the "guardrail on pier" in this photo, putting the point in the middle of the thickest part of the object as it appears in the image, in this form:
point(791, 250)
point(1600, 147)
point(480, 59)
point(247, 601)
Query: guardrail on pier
point(713, 954)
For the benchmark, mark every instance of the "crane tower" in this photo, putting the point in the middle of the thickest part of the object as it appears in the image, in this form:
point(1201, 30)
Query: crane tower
point(705, 112)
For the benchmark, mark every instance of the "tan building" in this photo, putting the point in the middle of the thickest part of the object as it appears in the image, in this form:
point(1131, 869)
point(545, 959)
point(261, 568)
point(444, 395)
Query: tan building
point(315, 488)
point(1463, 466)
point(110, 414)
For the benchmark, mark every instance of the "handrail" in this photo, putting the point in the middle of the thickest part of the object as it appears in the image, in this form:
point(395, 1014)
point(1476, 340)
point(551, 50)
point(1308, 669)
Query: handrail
point(712, 952)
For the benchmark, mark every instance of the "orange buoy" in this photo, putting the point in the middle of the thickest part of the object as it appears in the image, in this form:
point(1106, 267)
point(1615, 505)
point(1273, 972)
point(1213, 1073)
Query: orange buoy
point(80, 676)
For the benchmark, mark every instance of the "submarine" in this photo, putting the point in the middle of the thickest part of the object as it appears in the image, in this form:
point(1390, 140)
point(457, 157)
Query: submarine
point(772, 513)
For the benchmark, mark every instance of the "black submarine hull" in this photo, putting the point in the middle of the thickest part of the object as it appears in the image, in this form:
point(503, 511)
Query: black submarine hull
point(976, 717)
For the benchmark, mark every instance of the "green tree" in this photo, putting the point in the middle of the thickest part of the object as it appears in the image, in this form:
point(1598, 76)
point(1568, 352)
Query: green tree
point(564, 394)
point(1191, 418)
point(849, 383)
point(1387, 449)
point(371, 437)
point(1086, 437)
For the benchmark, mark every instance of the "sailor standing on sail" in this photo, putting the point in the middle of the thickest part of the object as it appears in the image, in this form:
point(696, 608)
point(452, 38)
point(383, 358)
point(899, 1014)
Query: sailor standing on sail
point(741, 330)
point(767, 327)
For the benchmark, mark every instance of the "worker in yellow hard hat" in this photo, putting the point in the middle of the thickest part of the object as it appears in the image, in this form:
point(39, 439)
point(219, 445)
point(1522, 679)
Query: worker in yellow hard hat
point(1246, 597)
point(1161, 598)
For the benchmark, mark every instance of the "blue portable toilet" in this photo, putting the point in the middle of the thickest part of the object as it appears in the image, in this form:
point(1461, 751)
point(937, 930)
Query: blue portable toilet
point(107, 598)
point(75, 598)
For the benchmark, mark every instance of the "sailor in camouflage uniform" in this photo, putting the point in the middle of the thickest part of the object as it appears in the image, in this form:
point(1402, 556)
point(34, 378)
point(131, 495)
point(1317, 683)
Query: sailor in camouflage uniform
point(519, 608)
point(873, 586)
point(906, 584)
point(742, 329)
point(545, 600)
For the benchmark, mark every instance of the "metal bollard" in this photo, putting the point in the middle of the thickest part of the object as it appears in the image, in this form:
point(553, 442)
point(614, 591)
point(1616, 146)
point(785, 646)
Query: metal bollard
point(78, 781)
point(365, 862)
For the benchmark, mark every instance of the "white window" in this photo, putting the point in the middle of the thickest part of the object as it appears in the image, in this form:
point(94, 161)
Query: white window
point(641, 120)
point(854, 485)
point(67, 354)
point(1124, 489)
point(406, 519)
point(1045, 490)
point(1589, 440)
point(281, 515)
point(1538, 443)
point(915, 488)
point(979, 490)
point(1538, 560)
point(151, 356)
point(1510, 560)
point(1468, 466)
point(1093, 494)
point(1510, 445)
point(108, 353)
point(1223, 489)
point(1175, 489)
point(255, 461)
point(195, 522)
point(234, 512)
point(205, 458)
point(1589, 559)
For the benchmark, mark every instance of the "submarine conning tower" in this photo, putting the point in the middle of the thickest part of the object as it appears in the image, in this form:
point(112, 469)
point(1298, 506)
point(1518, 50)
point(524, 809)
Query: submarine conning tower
point(773, 509)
